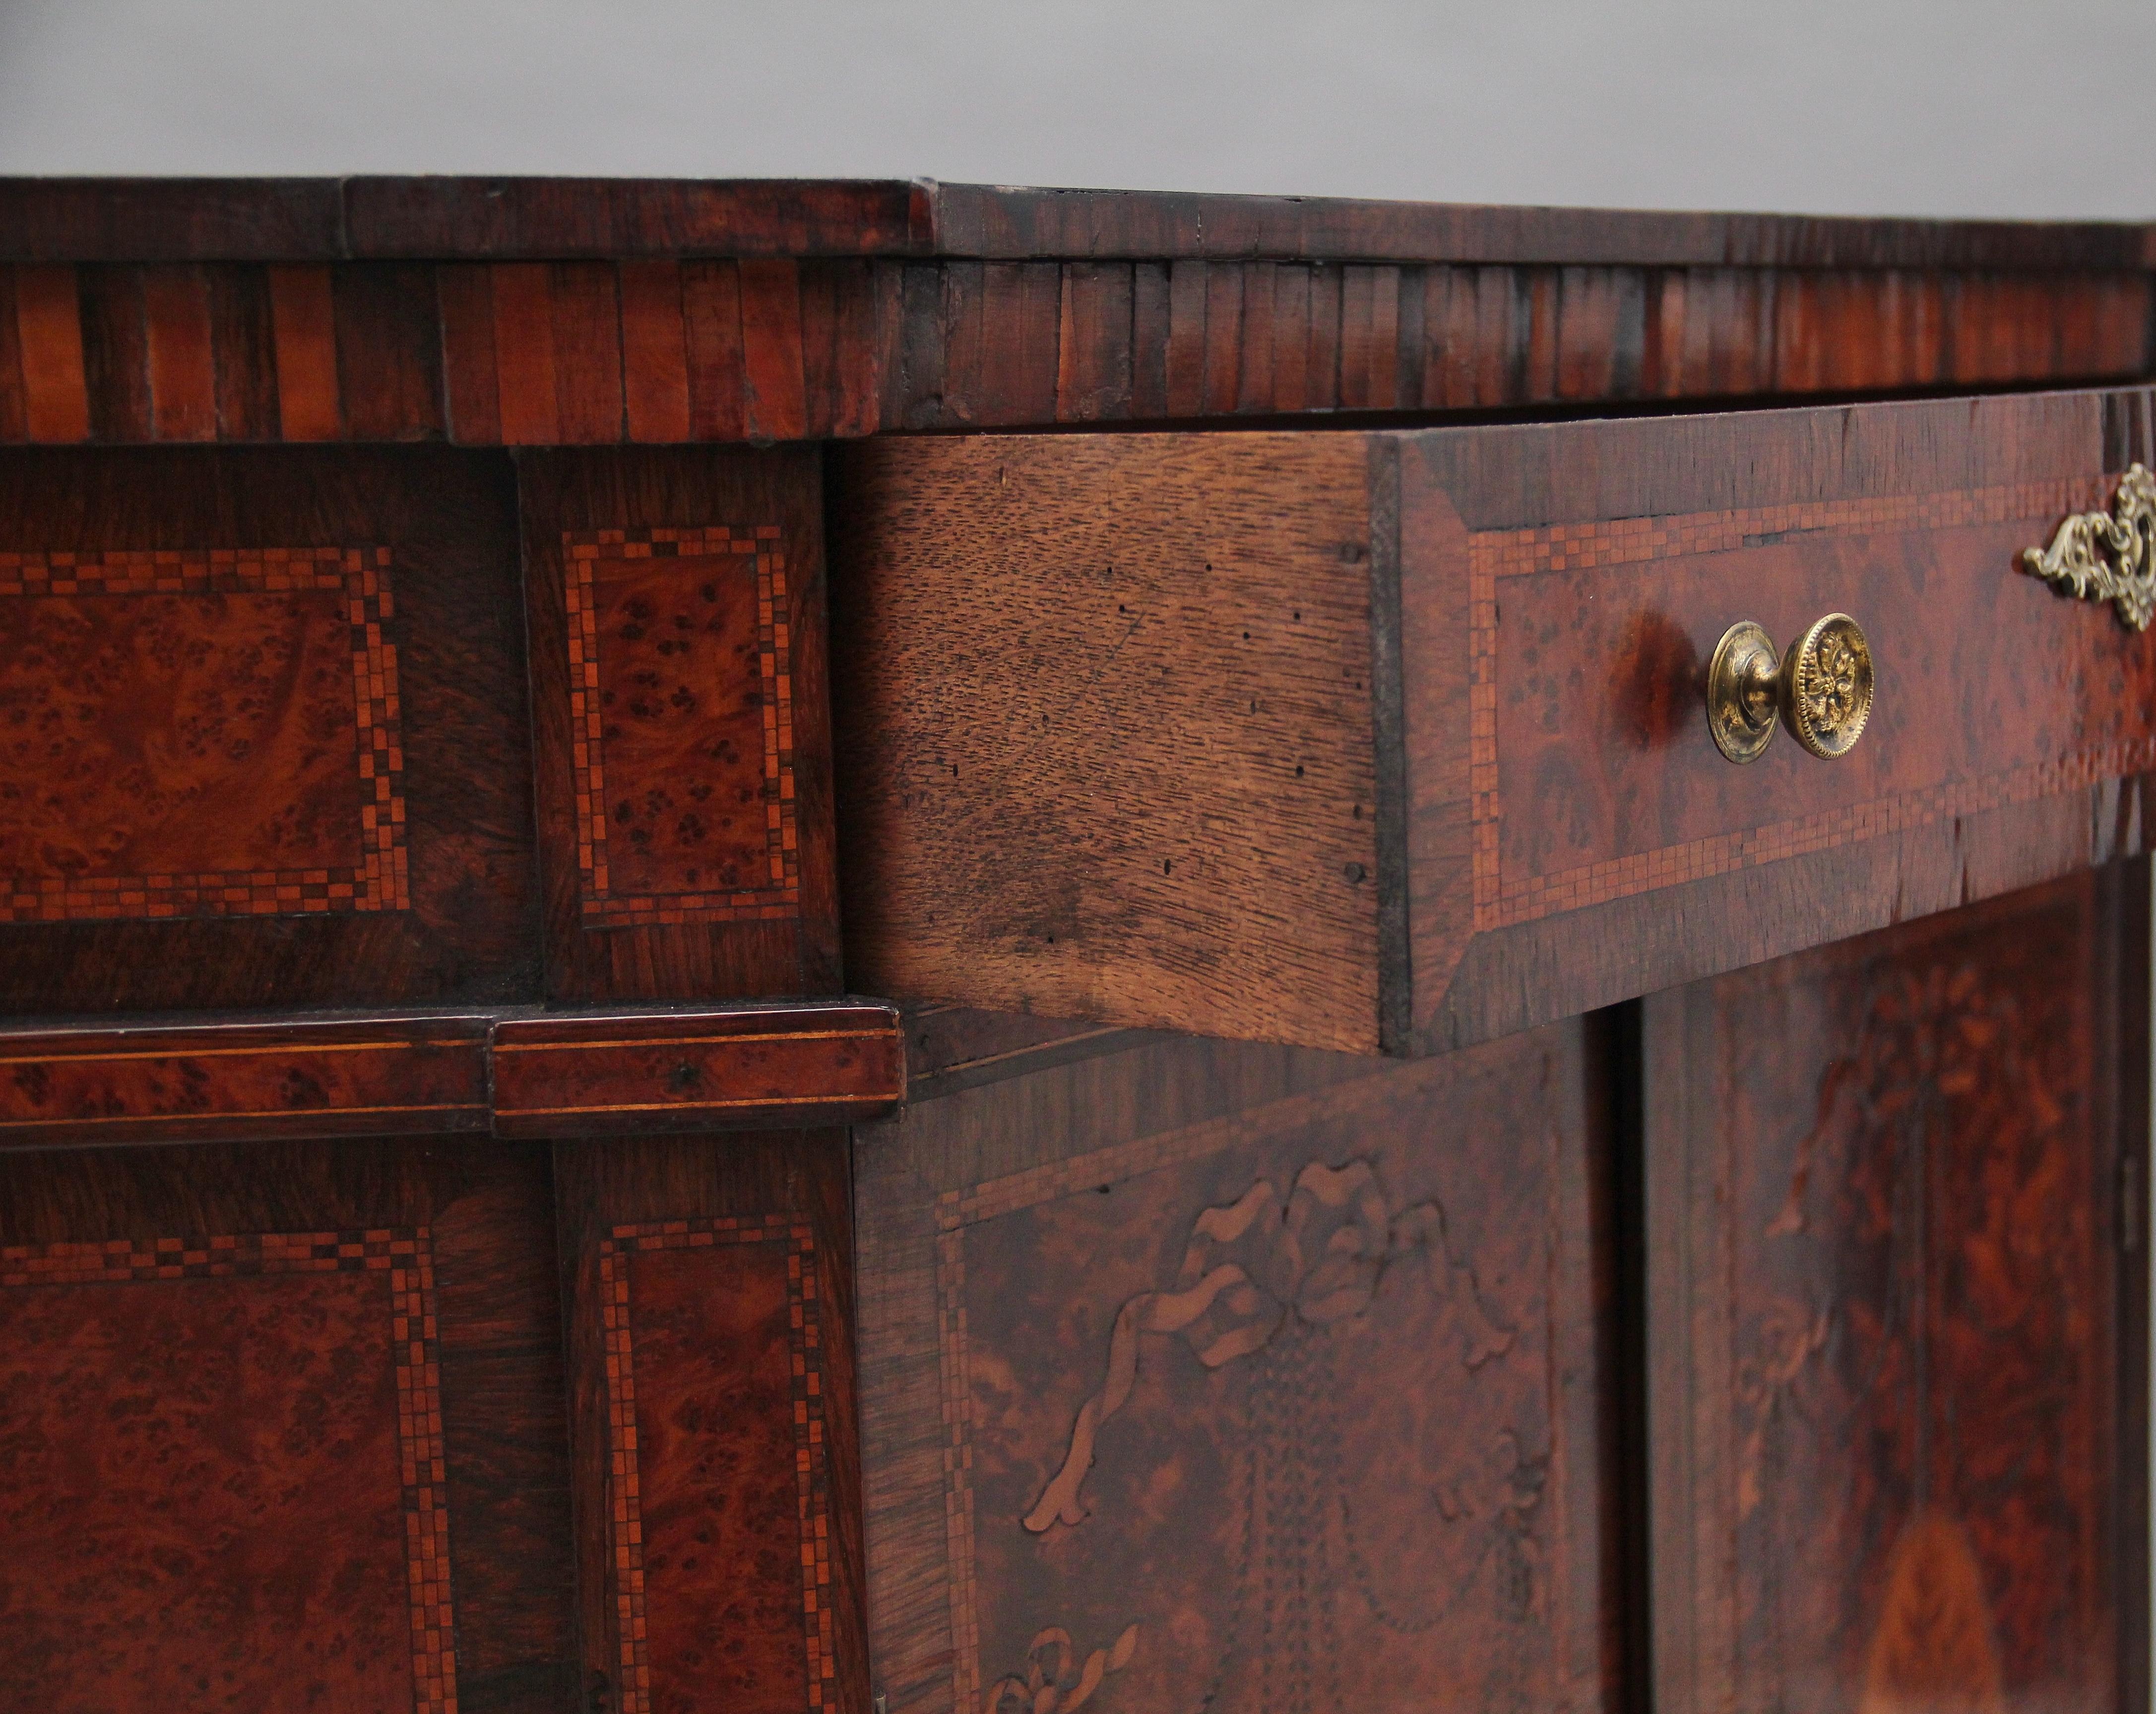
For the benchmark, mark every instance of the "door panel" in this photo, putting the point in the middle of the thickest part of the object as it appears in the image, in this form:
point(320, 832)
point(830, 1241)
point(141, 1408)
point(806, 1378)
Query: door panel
point(1893, 1463)
point(1204, 1375)
point(282, 1425)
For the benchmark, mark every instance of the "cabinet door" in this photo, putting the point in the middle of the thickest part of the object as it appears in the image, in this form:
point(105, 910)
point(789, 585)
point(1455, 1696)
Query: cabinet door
point(1204, 1375)
point(1894, 1329)
point(282, 1426)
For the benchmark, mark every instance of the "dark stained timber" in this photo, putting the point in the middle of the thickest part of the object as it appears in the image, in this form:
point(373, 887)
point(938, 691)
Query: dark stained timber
point(1254, 1378)
point(1887, 1312)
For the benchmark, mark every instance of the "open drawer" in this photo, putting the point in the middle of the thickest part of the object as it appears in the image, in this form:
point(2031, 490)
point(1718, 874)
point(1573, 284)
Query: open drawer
point(1400, 740)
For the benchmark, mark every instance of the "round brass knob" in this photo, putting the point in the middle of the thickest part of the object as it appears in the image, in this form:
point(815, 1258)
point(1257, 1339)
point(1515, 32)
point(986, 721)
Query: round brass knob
point(1821, 690)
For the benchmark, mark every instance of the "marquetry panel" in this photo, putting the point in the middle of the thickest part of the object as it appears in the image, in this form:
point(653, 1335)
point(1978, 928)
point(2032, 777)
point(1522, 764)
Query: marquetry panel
point(1253, 1380)
point(200, 733)
point(675, 598)
point(681, 705)
point(264, 730)
point(719, 1490)
point(1524, 870)
point(1887, 1317)
point(223, 1478)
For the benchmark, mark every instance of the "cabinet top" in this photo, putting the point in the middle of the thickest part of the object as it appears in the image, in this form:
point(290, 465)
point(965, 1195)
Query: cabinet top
point(449, 218)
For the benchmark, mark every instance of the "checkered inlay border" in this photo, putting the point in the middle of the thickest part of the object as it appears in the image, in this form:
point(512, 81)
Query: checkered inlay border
point(1502, 899)
point(779, 898)
point(811, 1479)
point(407, 1257)
point(382, 881)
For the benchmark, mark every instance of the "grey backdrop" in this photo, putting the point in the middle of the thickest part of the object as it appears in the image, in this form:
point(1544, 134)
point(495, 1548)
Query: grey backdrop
point(2031, 108)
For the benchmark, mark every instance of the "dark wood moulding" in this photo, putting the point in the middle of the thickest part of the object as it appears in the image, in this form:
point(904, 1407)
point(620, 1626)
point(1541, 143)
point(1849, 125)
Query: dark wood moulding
point(556, 312)
point(529, 1074)
point(512, 218)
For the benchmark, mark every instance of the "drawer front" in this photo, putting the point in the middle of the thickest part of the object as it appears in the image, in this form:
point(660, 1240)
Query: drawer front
point(1401, 740)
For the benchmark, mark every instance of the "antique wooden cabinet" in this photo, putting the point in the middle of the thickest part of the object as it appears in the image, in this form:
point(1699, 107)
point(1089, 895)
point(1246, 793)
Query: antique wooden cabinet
point(912, 950)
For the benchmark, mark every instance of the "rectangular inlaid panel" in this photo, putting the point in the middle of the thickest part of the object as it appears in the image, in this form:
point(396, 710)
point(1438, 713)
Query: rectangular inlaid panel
point(1885, 1319)
point(200, 733)
point(718, 1494)
point(681, 719)
point(681, 705)
point(265, 730)
point(1917, 566)
point(222, 1475)
point(1204, 1376)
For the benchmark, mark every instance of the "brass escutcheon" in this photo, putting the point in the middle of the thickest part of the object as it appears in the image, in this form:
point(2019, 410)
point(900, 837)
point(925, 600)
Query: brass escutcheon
point(1821, 690)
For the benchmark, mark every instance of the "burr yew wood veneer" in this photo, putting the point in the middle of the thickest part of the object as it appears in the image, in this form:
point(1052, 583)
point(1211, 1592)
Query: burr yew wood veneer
point(898, 947)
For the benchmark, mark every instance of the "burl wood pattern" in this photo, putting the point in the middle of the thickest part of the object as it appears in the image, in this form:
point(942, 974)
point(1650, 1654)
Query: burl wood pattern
point(1884, 1322)
point(714, 1415)
point(246, 764)
point(696, 1071)
point(708, 1308)
point(681, 699)
point(200, 733)
point(681, 721)
point(742, 348)
point(224, 1475)
point(1255, 1380)
point(226, 1080)
point(1600, 561)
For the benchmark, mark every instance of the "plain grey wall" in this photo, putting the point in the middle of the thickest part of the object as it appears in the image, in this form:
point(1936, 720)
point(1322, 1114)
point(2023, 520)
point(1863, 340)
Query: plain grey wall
point(2029, 108)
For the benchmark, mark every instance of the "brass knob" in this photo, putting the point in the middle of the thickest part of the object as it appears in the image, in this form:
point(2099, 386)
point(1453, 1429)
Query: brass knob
point(1821, 689)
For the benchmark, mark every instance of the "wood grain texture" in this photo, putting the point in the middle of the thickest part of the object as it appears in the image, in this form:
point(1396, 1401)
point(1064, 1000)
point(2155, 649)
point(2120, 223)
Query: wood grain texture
point(1201, 1374)
point(1553, 861)
point(1090, 773)
point(694, 1070)
point(951, 1047)
point(709, 1305)
point(681, 721)
point(1104, 730)
point(108, 1084)
point(660, 349)
point(207, 1503)
point(518, 1073)
point(1885, 1316)
point(207, 747)
point(138, 219)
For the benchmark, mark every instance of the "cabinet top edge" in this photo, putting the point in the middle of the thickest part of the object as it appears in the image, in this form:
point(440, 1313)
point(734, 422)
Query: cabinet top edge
point(449, 218)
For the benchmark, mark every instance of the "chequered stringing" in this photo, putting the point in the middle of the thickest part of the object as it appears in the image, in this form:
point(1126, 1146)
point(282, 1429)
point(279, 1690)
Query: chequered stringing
point(1501, 900)
point(780, 897)
point(382, 881)
point(407, 1257)
point(812, 1481)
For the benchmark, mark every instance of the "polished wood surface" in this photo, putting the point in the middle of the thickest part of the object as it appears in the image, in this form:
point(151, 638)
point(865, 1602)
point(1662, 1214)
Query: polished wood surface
point(436, 1269)
point(708, 1299)
point(696, 1071)
point(675, 605)
point(1203, 1374)
point(1894, 1411)
point(324, 219)
point(741, 348)
point(262, 738)
point(282, 1424)
point(1119, 711)
point(526, 1073)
